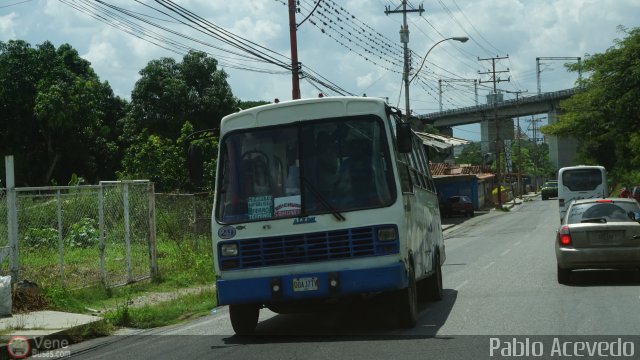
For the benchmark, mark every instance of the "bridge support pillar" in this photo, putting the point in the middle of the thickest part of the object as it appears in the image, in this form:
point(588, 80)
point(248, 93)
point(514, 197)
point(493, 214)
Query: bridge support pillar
point(488, 134)
point(562, 150)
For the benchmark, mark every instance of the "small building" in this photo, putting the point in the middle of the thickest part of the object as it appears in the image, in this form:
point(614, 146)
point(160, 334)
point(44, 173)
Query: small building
point(451, 180)
point(466, 180)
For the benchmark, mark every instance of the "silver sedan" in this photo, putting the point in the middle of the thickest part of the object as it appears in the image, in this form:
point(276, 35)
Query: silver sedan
point(598, 234)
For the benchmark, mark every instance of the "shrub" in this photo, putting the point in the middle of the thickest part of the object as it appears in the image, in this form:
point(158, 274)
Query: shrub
point(82, 234)
point(36, 238)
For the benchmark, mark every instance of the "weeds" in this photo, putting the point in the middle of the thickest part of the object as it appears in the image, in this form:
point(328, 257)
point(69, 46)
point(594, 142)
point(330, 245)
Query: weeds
point(165, 313)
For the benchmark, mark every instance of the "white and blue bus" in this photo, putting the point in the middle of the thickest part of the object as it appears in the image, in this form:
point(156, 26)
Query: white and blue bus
point(580, 182)
point(322, 200)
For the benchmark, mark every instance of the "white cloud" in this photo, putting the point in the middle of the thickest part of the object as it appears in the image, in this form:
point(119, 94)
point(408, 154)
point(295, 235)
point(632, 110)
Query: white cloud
point(7, 26)
point(364, 81)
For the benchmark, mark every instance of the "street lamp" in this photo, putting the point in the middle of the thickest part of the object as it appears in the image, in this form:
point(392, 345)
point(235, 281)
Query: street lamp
point(456, 38)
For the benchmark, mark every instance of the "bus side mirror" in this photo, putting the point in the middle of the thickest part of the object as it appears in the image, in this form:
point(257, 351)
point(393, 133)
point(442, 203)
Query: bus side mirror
point(403, 137)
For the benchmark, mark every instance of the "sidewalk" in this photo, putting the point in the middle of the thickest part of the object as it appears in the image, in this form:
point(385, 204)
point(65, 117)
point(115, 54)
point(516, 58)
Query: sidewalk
point(38, 326)
point(448, 223)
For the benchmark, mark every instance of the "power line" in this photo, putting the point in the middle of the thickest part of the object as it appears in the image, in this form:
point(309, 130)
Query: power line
point(14, 4)
point(140, 25)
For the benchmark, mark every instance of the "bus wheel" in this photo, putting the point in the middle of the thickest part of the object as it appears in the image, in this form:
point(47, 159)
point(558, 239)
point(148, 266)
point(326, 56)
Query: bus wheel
point(433, 285)
point(244, 318)
point(407, 302)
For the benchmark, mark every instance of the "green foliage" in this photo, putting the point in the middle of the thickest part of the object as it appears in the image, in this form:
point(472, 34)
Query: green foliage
point(605, 116)
point(169, 102)
point(157, 159)
point(36, 238)
point(471, 154)
point(83, 234)
point(54, 104)
point(170, 93)
point(249, 104)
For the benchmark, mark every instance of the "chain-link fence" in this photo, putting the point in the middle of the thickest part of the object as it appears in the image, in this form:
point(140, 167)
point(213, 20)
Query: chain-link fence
point(184, 235)
point(4, 233)
point(83, 235)
point(86, 235)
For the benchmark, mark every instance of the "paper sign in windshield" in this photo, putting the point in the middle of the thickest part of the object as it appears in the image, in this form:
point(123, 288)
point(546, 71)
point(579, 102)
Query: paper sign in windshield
point(260, 207)
point(287, 206)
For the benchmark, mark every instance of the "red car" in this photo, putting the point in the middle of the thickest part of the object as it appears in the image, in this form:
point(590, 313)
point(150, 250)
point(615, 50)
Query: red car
point(458, 205)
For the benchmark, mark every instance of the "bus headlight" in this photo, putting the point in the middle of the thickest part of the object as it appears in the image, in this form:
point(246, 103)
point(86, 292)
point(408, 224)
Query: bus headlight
point(230, 249)
point(387, 234)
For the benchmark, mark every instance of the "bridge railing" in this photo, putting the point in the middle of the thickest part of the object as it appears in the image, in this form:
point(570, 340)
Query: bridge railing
point(561, 94)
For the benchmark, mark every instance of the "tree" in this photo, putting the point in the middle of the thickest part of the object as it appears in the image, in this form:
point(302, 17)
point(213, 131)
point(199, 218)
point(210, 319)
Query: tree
point(249, 104)
point(170, 93)
point(56, 113)
point(605, 115)
point(170, 101)
point(471, 154)
point(157, 159)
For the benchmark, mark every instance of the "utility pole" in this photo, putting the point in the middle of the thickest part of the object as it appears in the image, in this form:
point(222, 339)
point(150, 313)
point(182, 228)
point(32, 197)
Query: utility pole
point(535, 157)
point(538, 71)
point(495, 81)
point(404, 39)
point(295, 65)
point(519, 142)
point(440, 81)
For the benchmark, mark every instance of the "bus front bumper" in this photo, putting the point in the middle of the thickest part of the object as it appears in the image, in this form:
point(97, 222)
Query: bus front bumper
point(315, 285)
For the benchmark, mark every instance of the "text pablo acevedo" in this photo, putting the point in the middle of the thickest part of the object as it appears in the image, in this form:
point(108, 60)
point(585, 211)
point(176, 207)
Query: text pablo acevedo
point(558, 347)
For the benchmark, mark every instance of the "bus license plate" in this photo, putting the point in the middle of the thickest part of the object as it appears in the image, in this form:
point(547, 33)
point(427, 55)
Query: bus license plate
point(305, 284)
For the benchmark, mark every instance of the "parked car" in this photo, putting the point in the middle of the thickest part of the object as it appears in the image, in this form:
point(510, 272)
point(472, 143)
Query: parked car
point(459, 204)
point(549, 189)
point(635, 193)
point(598, 234)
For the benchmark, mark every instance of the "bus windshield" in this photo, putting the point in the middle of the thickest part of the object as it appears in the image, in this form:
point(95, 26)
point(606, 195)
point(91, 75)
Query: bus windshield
point(582, 179)
point(304, 168)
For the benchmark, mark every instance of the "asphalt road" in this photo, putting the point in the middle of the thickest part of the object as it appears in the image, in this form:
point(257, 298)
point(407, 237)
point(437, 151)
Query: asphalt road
point(499, 279)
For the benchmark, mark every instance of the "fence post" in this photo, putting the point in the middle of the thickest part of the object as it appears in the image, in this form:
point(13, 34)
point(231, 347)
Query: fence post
point(153, 251)
point(12, 218)
point(127, 234)
point(101, 245)
point(59, 204)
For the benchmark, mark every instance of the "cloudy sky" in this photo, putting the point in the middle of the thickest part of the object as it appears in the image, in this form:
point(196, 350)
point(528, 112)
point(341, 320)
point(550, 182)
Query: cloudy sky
point(351, 46)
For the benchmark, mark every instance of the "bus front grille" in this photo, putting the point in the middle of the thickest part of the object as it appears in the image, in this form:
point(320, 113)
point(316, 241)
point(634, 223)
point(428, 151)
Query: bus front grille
point(309, 247)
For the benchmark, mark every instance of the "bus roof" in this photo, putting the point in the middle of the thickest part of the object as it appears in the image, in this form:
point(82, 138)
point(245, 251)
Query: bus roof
point(303, 109)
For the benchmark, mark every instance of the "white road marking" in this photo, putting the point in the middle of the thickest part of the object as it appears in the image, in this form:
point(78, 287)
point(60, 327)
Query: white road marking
point(505, 252)
point(461, 285)
point(488, 265)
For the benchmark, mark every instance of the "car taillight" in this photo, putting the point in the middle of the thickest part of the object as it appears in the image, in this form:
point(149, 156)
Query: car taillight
point(564, 236)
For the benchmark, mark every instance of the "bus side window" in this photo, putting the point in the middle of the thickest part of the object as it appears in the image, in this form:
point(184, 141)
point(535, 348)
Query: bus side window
point(405, 178)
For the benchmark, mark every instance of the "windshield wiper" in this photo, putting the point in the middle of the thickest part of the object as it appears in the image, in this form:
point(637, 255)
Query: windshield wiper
point(594, 220)
point(322, 200)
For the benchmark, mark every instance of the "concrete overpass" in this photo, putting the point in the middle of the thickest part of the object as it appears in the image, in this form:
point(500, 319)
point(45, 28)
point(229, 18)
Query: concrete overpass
point(561, 150)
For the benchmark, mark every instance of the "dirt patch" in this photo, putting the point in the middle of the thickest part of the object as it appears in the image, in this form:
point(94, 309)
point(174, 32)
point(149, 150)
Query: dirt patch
point(27, 299)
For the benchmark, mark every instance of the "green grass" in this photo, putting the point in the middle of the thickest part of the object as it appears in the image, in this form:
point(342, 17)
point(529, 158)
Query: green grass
point(170, 312)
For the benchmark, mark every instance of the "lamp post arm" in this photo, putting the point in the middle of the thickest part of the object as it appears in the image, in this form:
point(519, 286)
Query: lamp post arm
point(461, 39)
